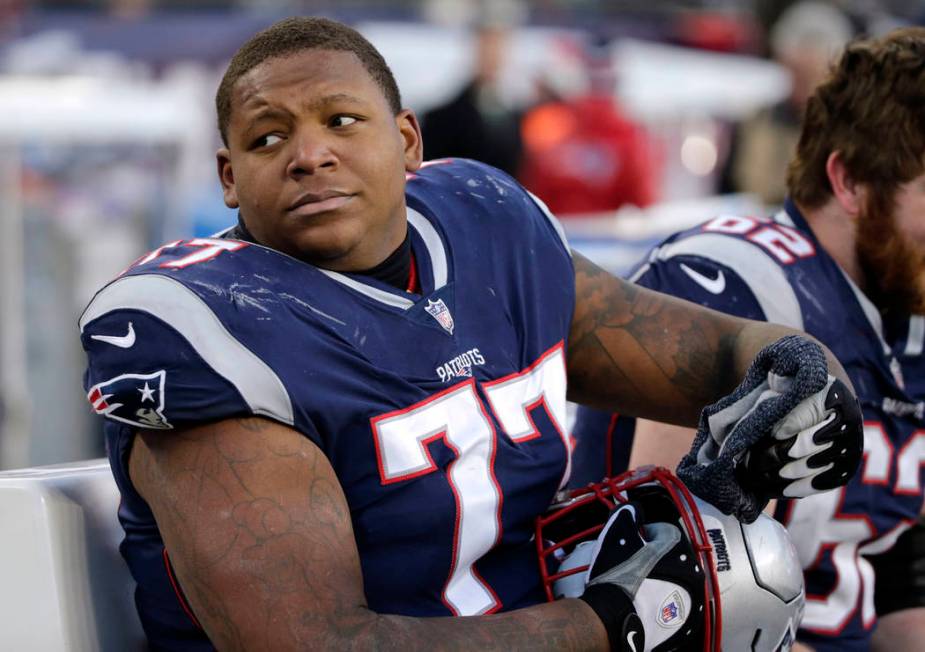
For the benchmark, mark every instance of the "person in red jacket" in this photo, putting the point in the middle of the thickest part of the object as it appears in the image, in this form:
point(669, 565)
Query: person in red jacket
point(581, 153)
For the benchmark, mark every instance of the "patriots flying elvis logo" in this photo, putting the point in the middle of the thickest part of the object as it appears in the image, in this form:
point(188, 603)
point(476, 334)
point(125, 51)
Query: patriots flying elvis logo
point(139, 399)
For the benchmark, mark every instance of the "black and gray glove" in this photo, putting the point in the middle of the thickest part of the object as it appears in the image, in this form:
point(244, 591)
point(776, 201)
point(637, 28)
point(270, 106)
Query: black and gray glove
point(816, 447)
point(787, 431)
point(621, 559)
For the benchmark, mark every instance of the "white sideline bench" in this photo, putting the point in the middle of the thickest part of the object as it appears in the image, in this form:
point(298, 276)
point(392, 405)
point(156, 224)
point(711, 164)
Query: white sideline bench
point(63, 584)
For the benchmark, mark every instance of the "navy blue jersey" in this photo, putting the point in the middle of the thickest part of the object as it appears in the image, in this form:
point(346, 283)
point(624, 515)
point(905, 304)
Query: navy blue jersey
point(775, 270)
point(442, 413)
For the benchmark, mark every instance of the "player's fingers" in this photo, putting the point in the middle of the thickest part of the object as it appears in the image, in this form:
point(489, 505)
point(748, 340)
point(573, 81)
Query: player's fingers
point(801, 488)
point(630, 574)
point(808, 413)
point(801, 468)
point(618, 541)
point(661, 537)
point(808, 443)
point(802, 420)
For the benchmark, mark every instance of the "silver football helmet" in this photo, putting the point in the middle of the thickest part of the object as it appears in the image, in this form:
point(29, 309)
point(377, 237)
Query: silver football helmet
point(760, 581)
point(752, 584)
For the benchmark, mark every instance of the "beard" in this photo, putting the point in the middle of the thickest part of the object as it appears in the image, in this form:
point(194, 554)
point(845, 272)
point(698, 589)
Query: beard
point(893, 266)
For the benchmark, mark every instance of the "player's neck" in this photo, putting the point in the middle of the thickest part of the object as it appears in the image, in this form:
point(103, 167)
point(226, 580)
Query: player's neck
point(837, 232)
point(398, 269)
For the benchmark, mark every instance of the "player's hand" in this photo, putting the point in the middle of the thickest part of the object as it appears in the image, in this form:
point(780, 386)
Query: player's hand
point(621, 558)
point(656, 566)
point(789, 429)
point(817, 446)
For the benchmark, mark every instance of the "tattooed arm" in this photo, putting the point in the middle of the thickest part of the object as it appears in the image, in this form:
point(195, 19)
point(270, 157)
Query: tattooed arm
point(647, 354)
point(259, 534)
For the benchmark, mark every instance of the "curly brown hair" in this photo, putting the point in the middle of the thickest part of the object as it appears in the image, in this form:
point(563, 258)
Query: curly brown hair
point(871, 108)
point(294, 35)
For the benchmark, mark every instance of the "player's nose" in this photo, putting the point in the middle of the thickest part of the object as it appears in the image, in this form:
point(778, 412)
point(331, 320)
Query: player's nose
point(310, 152)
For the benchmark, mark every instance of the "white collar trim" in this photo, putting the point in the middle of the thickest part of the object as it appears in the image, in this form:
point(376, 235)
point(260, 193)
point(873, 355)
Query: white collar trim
point(438, 263)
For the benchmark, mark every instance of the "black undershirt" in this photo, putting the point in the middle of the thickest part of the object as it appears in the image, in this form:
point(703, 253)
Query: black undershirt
point(394, 270)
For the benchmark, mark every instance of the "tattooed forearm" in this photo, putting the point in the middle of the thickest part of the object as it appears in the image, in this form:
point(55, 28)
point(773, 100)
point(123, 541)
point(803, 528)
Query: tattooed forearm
point(260, 536)
point(648, 354)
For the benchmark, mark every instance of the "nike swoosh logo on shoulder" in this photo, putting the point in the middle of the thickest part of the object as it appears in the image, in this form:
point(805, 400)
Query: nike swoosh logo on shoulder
point(712, 285)
point(629, 640)
point(122, 341)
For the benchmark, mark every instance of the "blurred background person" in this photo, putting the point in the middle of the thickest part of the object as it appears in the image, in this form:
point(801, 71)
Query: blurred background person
point(582, 154)
point(477, 122)
point(804, 39)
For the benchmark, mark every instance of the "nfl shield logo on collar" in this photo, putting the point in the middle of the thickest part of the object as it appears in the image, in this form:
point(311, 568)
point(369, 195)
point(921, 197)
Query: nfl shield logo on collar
point(438, 310)
point(139, 402)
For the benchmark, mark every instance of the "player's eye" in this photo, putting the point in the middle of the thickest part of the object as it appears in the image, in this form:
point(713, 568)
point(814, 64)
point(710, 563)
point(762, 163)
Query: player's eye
point(343, 120)
point(267, 140)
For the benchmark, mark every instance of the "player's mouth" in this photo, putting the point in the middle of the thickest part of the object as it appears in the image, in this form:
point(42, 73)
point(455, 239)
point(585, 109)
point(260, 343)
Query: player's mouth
point(313, 203)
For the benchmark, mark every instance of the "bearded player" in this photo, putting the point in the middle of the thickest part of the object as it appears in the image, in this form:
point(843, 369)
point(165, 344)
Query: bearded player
point(845, 261)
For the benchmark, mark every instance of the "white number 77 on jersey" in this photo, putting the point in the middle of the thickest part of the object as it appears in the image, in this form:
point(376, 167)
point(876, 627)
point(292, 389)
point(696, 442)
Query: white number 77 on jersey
point(459, 418)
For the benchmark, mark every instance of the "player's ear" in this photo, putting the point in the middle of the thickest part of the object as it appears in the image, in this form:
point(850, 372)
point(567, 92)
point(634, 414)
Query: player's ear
point(226, 176)
point(848, 193)
point(410, 131)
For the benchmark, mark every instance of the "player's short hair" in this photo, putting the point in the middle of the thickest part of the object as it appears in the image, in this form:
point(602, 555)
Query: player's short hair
point(871, 108)
point(294, 35)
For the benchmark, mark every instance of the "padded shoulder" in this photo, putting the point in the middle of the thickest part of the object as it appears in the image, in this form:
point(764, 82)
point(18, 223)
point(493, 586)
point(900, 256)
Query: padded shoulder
point(159, 356)
point(727, 273)
point(489, 187)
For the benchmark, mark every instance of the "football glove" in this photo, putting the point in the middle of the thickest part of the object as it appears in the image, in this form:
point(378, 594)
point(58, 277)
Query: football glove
point(620, 561)
point(788, 430)
point(816, 447)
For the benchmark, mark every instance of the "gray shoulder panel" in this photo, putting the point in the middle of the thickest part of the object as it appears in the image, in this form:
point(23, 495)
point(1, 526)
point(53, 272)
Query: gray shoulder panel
point(175, 304)
point(757, 269)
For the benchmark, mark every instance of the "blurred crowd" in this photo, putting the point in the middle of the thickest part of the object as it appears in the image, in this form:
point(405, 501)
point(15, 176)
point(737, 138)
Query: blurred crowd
point(571, 139)
point(578, 149)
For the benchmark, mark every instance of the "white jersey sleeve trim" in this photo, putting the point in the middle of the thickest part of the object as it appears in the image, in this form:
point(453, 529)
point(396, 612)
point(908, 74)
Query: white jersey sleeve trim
point(552, 220)
point(760, 273)
point(178, 306)
point(434, 246)
point(437, 260)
